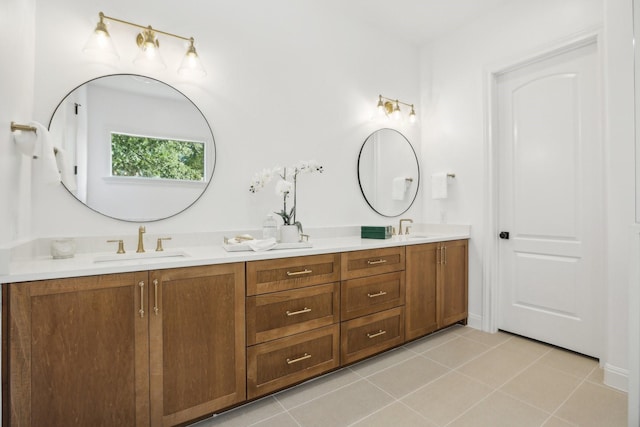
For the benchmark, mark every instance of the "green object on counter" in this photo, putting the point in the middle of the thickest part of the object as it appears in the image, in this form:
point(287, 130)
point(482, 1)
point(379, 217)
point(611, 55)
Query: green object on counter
point(376, 232)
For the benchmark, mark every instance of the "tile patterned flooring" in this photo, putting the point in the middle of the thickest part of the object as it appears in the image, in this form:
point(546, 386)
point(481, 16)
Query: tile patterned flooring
point(456, 377)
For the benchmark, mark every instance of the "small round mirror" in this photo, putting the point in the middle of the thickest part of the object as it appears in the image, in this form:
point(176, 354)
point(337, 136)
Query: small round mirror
point(388, 172)
point(132, 148)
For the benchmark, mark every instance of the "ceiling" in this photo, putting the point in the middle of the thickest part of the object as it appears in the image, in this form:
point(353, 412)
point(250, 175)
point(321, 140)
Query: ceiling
point(416, 21)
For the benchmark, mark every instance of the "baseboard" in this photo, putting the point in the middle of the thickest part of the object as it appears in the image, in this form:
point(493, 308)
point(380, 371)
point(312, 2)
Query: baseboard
point(616, 377)
point(474, 321)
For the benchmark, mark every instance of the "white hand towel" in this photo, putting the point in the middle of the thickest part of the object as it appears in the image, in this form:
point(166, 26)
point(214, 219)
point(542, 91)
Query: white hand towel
point(261, 245)
point(439, 186)
point(398, 188)
point(44, 157)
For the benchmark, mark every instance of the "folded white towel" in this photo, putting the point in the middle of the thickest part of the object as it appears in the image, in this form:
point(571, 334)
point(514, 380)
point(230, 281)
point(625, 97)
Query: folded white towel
point(262, 245)
point(439, 185)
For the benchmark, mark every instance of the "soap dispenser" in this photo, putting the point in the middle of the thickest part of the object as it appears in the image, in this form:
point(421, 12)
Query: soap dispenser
point(270, 227)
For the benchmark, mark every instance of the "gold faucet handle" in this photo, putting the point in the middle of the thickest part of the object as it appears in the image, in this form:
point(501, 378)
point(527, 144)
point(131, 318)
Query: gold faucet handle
point(159, 247)
point(120, 245)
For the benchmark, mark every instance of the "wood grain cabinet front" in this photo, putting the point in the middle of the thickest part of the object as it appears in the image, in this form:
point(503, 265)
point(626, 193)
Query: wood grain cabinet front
point(368, 335)
point(277, 364)
point(372, 261)
point(275, 315)
point(156, 348)
point(291, 273)
point(367, 295)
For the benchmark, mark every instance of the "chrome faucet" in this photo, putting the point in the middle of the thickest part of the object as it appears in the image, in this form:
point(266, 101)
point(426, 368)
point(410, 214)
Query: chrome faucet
point(407, 230)
point(141, 231)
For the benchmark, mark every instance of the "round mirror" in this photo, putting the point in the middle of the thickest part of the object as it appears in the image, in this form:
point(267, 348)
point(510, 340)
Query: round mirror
point(132, 148)
point(388, 172)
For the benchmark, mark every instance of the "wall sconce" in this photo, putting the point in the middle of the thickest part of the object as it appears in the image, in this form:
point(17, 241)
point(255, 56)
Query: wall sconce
point(149, 55)
point(391, 108)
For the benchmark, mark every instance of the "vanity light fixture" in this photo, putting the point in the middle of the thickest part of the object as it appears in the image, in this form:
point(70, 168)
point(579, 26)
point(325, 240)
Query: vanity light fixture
point(149, 55)
point(391, 108)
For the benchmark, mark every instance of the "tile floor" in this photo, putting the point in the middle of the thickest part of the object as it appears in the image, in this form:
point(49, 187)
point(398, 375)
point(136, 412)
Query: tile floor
point(456, 377)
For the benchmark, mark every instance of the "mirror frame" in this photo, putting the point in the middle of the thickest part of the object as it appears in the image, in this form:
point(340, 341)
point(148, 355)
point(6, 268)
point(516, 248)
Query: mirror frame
point(415, 156)
point(213, 148)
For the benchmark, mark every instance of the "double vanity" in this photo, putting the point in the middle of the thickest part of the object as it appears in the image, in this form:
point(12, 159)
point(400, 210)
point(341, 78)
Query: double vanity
point(165, 340)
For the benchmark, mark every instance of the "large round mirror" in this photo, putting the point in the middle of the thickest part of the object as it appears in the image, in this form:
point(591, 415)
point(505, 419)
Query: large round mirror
point(388, 172)
point(132, 148)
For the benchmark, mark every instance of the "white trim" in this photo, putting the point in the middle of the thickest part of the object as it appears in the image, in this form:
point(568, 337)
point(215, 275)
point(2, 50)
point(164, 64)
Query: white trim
point(634, 328)
point(616, 377)
point(474, 321)
point(490, 263)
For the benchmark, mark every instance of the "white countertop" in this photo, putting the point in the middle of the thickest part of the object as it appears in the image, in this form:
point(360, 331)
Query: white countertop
point(84, 264)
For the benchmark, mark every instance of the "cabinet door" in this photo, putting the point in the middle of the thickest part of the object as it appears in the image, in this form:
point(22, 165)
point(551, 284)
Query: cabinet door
point(197, 341)
point(454, 282)
point(421, 294)
point(79, 352)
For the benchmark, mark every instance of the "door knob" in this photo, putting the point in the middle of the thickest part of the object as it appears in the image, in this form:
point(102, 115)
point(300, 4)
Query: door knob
point(504, 235)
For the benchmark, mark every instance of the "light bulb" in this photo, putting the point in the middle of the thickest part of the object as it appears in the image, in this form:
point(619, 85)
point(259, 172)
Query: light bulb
point(396, 112)
point(412, 115)
point(191, 64)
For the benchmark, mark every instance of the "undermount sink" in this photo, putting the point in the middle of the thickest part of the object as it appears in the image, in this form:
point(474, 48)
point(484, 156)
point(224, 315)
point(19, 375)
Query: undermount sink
point(135, 256)
point(421, 236)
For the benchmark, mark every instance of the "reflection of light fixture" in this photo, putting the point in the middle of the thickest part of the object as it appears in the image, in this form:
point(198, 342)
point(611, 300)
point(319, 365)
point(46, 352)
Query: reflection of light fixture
point(391, 108)
point(149, 55)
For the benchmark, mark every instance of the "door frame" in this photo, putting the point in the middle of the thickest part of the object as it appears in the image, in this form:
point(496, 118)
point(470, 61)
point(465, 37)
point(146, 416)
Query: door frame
point(491, 259)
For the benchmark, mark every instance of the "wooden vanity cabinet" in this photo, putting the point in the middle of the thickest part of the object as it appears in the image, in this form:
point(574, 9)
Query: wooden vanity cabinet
point(372, 299)
point(436, 288)
point(134, 349)
point(197, 341)
point(79, 352)
point(293, 315)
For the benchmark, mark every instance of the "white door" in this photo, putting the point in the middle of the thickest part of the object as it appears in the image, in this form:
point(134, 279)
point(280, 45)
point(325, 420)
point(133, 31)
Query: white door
point(550, 200)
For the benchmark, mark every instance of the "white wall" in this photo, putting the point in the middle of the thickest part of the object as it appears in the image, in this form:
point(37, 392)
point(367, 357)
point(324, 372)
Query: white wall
point(17, 38)
point(453, 131)
point(286, 81)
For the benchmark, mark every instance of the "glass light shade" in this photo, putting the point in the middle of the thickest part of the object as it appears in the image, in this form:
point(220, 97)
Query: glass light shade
point(100, 44)
point(412, 116)
point(191, 65)
point(149, 57)
point(397, 115)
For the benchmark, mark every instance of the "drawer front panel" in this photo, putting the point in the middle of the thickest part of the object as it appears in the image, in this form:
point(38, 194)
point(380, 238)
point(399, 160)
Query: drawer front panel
point(277, 364)
point(276, 315)
point(291, 273)
point(375, 261)
point(368, 295)
point(372, 334)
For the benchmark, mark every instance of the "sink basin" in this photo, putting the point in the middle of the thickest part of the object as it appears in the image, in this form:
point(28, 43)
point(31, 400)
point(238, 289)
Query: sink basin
point(421, 236)
point(135, 256)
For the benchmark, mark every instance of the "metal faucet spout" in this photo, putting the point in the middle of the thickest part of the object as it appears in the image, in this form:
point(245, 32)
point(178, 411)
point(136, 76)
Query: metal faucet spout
point(141, 231)
point(401, 221)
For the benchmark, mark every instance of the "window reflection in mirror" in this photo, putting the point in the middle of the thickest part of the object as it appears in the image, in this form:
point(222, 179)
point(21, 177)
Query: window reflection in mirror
point(388, 172)
point(81, 129)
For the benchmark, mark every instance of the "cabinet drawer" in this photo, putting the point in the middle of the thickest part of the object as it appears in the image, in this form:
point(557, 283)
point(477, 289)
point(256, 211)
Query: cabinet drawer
point(368, 295)
point(291, 273)
point(279, 314)
point(280, 363)
point(374, 261)
point(372, 334)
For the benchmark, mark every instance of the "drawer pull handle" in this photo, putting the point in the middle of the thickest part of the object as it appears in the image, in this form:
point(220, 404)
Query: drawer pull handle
point(297, 273)
point(377, 261)
point(293, 313)
point(377, 334)
point(299, 359)
point(379, 294)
